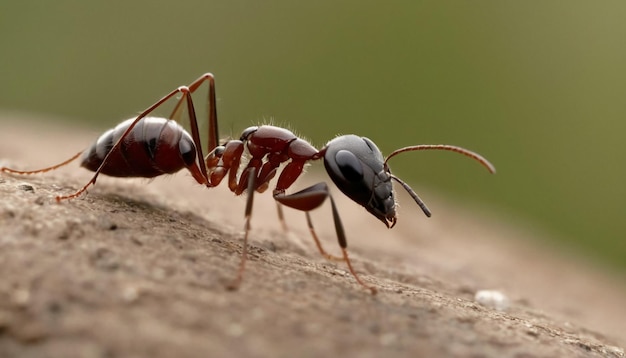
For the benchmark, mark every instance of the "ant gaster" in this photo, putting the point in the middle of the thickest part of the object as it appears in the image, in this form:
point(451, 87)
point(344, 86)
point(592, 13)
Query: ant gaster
point(147, 146)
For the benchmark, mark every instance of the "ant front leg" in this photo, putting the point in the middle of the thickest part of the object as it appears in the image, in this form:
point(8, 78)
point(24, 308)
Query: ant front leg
point(306, 200)
point(311, 198)
point(290, 173)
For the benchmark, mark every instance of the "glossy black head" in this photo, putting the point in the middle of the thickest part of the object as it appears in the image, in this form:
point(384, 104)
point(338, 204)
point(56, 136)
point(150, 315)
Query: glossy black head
point(359, 170)
point(357, 167)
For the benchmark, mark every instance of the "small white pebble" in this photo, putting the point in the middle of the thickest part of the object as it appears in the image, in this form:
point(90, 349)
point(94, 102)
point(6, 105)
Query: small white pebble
point(493, 299)
point(158, 273)
point(388, 339)
point(130, 294)
point(257, 313)
point(21, 297)
point(234, 330)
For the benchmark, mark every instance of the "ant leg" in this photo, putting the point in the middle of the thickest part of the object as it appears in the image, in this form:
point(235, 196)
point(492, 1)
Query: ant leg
point(342, 238)
point(186, 96)
point(311, 198)
point(248, 214)
point(201, 177)
point(213, 138)
point(28, 172)
point(281, 216)
point(318, 243)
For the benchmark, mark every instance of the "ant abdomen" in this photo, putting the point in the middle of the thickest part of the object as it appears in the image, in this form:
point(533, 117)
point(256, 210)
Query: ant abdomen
point(153, 147)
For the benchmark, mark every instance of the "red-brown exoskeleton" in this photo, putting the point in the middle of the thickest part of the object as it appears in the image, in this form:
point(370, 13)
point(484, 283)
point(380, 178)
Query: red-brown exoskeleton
point(146, 146)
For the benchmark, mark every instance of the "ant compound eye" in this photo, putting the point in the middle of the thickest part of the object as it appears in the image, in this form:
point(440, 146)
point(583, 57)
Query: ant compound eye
point(350, 165)
point(187, 151)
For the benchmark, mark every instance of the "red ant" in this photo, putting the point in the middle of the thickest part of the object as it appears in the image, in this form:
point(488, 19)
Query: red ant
point(146, 146)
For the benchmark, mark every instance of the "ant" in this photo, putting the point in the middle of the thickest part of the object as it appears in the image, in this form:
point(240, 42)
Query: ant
point(147, 146)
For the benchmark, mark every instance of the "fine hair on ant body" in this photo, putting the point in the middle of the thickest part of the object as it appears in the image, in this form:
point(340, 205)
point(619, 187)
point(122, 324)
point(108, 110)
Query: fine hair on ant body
point(147, 146)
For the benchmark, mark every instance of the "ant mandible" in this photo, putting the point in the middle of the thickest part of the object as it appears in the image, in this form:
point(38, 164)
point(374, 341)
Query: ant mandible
point(147, 146)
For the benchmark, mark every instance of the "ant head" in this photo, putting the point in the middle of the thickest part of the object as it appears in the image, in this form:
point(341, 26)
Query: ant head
point(357, 167)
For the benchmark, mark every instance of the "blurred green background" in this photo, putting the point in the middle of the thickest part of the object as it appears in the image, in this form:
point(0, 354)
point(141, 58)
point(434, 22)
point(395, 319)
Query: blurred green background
point(537, 87)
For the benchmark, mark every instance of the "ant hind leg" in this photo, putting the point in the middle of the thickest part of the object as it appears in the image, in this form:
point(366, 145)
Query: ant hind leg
point(43, 170)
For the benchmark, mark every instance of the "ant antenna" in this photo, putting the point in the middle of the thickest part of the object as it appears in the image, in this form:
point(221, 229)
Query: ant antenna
point(413, 195)
point(479, 158)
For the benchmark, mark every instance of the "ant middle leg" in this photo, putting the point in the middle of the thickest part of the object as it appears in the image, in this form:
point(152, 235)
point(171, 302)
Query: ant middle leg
point(281, 217)
point(248, 215)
